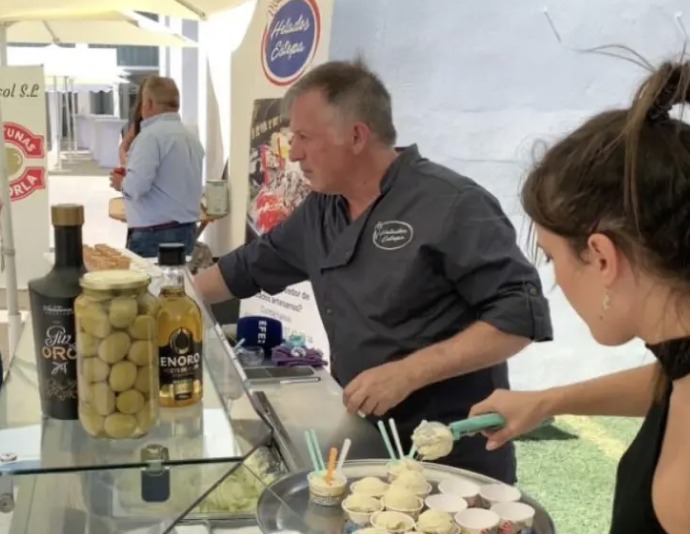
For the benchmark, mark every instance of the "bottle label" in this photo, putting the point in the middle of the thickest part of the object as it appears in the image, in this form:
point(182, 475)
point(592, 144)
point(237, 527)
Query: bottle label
point(181, 365)
point(54, 335)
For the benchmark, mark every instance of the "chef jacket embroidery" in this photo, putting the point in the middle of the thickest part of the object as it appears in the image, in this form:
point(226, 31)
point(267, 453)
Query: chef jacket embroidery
point(392, 235)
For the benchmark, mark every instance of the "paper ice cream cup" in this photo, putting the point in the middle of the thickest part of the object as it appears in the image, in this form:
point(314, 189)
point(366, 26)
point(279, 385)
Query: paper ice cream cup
point(326, 494)
point(408, 523)
point(477, 521)
point(515, 517)
point(491, 494)
point(446, 502)
point(462, 488)
point(361, 518)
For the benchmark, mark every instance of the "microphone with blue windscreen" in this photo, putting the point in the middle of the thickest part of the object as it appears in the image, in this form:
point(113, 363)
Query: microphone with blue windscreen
point(260, 331)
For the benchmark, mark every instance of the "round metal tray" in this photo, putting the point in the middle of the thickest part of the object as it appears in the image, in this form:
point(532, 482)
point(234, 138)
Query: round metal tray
point(284, 505)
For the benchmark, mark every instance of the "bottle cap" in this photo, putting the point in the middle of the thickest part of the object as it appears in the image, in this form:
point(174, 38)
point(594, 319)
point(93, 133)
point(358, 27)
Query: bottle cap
point(67, 214)
point(171, 255)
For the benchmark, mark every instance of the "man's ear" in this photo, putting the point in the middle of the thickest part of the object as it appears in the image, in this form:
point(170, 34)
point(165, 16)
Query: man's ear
point(360, 137)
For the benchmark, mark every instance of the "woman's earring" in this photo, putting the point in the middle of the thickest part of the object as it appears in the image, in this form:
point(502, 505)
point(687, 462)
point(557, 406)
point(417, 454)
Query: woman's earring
point(605, 303)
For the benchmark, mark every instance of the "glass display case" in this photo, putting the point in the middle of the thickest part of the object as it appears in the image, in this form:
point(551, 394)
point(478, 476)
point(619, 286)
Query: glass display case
point(202, 467)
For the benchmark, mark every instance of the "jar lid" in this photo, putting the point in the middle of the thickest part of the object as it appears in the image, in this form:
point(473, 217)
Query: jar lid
point(114, 279)
point(171, 254)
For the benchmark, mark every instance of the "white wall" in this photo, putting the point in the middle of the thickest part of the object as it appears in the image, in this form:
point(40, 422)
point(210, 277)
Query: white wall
point(219, 37)
point(476, 82)
point(182, 64)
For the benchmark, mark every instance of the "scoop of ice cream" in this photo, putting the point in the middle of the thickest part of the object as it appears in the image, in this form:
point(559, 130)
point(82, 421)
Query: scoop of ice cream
point(435, 522)
point(433, 440)
point(358, 502)
point(374, 530)
point(393, 521)
point(370, 486)
point(401, 499)
point(412, 481)
point(404, 464)
point(318, 479)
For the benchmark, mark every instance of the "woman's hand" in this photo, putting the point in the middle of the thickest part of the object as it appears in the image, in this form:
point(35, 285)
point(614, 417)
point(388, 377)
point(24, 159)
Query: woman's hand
point(127, 139)
point(522, 410)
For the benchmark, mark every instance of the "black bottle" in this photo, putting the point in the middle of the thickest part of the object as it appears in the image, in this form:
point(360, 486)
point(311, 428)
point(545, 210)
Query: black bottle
point(52, 315)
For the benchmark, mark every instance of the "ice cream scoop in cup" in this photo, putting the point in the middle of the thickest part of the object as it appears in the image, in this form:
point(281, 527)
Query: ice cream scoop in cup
point(395, 467)
point(414, 482)
point(326, 492)
point(393, 522)
point(372, 530)
point(433, 440)
point(436, 522)
point(359, 508)
point(372, 486)
point(403, 500)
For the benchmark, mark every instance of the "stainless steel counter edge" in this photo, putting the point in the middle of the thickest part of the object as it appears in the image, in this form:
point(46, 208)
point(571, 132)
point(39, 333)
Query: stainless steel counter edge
point(297, 407)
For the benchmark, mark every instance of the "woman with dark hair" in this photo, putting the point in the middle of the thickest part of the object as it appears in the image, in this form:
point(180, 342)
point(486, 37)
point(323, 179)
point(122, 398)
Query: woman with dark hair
point(132, 129)
point(610, 206)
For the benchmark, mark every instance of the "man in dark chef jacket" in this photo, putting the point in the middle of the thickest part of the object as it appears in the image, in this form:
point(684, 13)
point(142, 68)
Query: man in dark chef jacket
point(419, 281)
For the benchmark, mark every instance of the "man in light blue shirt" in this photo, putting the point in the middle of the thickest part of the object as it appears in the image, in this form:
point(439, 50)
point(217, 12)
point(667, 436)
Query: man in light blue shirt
point(162, 184)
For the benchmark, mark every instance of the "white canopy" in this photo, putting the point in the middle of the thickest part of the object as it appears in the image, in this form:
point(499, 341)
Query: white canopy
point(70, 62)
point(109, 28)
point(87, 83)
point(184, 9)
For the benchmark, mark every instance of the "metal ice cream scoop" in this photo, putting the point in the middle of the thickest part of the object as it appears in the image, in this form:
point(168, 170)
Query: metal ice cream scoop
point(433, 440)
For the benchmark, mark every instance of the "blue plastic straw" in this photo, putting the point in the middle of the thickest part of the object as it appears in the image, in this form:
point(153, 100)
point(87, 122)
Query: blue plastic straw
point(312, 451)
point(319, 454)
point(386, 440)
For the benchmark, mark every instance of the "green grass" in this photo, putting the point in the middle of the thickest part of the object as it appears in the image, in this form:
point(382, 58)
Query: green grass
point(570, 469)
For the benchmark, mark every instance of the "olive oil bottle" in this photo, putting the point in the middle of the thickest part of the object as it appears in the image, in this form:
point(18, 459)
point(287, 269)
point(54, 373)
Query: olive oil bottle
point(180, 329)
point(52, 316)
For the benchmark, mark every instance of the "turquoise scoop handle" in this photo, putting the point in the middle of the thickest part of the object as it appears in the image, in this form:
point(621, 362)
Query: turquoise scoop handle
point(479, 423)
point(472, 425)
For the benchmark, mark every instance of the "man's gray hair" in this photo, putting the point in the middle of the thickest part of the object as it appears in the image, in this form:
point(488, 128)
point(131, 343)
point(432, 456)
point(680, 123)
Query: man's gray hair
point(355, 91)
point(163, 92)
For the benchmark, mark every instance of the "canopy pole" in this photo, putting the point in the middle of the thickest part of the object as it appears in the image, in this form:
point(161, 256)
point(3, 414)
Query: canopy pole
point(9, 266)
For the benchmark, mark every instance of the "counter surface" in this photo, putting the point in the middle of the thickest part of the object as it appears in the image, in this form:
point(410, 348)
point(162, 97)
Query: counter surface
point(60, 476)
point(319, 406)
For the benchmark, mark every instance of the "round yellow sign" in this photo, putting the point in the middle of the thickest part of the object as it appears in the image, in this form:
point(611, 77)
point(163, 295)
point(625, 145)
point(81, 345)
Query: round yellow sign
point(15, 160)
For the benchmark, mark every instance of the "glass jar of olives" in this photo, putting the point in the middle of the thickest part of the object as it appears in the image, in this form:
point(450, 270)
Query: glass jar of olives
point(117, 354)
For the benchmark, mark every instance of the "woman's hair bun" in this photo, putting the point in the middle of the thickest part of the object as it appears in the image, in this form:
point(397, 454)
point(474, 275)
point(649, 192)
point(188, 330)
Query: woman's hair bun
point(670, 86)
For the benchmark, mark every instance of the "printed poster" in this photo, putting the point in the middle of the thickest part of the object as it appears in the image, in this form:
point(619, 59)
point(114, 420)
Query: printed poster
point(285, 39)
point(276, 185)
point(24, 125)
